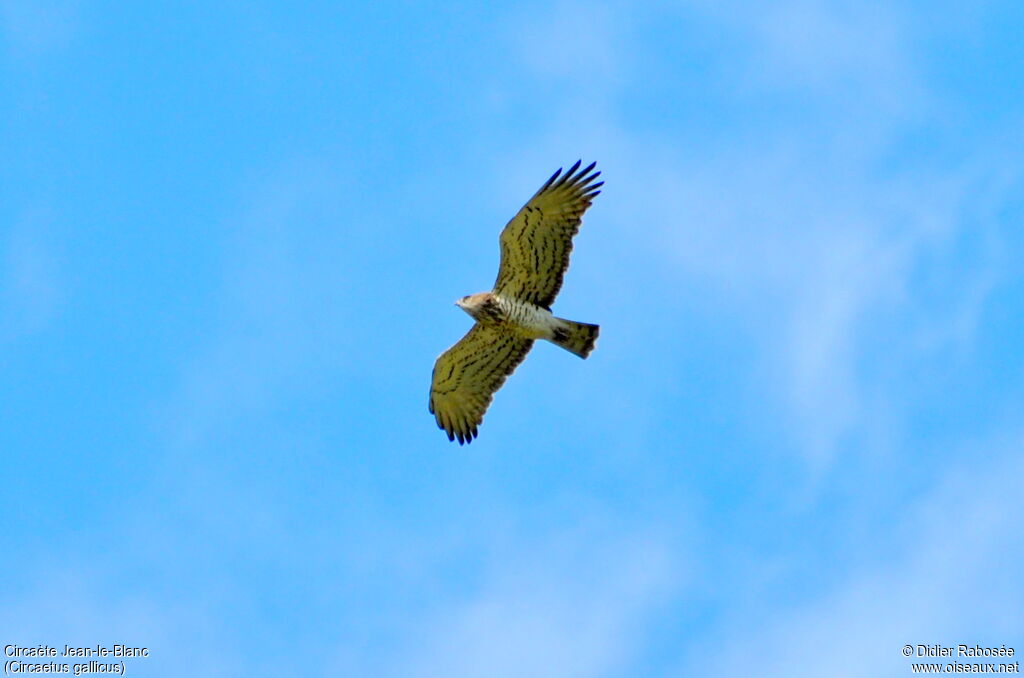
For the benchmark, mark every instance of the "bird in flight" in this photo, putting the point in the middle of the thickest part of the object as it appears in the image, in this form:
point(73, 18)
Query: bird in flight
point(535, 247)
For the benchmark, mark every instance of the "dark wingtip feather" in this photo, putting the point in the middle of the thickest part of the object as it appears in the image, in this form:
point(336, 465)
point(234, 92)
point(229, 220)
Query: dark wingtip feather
point(584, 180)
point(547, 184)
point(568, 176)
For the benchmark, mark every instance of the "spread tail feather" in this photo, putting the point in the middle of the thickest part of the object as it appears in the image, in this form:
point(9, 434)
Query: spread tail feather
point(578, 338)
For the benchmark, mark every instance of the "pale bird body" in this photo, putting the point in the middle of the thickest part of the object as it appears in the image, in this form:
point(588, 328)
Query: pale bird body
point(535, 247)
point(525, 320)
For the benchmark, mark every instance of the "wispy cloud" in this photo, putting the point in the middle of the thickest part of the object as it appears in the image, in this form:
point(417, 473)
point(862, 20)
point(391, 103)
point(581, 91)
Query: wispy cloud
point(844, 53)
point(270, 334)
point(566, 40)
point(949, 577)
point(85, 605)
point(805, 234)
point(573, 605)
point(33, 28)
point(32, 290)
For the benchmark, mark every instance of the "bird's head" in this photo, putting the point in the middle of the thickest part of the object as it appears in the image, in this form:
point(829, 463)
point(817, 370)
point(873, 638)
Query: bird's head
point(474, 304)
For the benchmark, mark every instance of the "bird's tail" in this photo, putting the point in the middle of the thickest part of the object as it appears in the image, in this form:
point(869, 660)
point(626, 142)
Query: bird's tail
point(579, 338)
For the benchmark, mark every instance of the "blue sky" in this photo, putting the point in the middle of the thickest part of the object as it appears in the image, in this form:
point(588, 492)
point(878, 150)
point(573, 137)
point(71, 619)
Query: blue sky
point(230, 238)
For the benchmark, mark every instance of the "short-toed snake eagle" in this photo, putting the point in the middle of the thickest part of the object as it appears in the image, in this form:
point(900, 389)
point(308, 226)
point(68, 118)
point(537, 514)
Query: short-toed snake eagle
point(535, 247)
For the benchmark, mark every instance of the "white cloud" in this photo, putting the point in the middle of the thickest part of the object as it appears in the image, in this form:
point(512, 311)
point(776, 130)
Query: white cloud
point(806, 235)
point(567, 40)
point(81, 607)
point(829, 46)
point(272, 333)
point(573, 605)
point(823, 270)
point(949, 578)
point(32, 287)
point(36, 27)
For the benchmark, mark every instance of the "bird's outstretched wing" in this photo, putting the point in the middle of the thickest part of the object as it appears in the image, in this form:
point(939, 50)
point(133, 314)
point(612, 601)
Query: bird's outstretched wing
point(467, 375)
point(535, 245)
